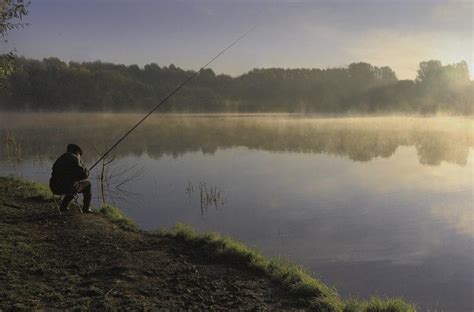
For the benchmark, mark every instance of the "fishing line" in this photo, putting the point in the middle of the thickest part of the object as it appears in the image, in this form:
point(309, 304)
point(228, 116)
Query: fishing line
point(166, 98)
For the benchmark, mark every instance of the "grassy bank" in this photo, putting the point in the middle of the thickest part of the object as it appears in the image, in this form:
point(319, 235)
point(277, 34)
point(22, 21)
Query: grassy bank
point(92, 261)
point(300, 284)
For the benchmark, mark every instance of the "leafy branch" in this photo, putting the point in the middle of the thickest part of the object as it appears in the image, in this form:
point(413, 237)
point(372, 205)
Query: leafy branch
point(11, 16)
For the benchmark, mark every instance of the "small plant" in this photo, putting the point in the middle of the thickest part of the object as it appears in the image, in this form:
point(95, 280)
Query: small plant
point(208, 195)
point(112, 179)
point(12, 147)
point(189, 189)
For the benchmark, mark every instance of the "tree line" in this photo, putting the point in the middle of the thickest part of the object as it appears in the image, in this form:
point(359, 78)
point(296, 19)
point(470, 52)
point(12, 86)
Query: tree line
point(53, 85)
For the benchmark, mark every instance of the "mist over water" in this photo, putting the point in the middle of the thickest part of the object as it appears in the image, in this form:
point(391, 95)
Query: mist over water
point(379, 205)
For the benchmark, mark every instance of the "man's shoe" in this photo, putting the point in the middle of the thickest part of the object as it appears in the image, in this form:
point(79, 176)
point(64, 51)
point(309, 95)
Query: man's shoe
point(87, 210)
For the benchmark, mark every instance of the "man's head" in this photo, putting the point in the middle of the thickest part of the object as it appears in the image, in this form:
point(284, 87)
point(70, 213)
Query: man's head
point(74, 149)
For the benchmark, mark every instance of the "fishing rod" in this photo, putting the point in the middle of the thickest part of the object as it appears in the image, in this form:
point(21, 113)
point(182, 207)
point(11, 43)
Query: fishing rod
point(166, 98)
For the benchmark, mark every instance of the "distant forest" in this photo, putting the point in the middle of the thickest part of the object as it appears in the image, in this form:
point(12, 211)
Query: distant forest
point(53, 85)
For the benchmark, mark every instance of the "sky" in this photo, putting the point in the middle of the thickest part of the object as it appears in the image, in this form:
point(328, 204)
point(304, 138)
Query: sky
point(288, 33)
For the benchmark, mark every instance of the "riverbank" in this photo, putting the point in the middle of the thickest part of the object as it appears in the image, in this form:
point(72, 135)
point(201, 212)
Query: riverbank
point(102, 261)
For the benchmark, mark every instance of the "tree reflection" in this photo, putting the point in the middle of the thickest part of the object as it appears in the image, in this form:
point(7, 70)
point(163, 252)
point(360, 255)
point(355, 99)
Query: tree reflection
point(360, 139)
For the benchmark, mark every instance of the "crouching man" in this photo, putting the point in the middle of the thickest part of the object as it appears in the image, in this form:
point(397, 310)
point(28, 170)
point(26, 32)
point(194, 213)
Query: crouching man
point(69, 177)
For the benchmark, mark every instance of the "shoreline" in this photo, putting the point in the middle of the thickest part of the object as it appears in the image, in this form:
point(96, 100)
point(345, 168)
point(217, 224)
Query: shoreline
point(210, 271)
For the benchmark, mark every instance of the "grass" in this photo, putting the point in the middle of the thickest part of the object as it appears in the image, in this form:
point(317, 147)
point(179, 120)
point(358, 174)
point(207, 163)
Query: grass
point(31, 190)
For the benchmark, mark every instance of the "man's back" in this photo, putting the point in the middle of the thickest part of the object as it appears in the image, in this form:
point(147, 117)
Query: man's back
point(67, 170)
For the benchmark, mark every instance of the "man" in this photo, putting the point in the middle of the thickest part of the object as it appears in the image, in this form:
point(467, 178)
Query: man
point(69, 177)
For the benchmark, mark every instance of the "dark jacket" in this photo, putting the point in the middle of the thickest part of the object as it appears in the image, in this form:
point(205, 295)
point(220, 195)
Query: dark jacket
point(67, 170)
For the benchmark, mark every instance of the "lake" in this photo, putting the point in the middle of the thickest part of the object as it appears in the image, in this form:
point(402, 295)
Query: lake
point(371, 206)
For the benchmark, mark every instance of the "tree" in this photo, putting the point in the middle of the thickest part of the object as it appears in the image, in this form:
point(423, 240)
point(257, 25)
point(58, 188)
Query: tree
point(445, 87)
point(430, 73)
point(11, 14)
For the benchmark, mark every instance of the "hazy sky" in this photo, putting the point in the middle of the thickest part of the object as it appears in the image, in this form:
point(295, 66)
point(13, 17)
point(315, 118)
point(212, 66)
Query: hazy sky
point(290, 34)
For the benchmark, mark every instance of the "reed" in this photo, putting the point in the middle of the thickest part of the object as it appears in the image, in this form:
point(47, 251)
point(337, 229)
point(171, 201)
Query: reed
point(209, 195)
point(12, 147)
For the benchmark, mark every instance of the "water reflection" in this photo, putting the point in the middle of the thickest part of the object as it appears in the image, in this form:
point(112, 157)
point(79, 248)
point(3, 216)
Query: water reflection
point(361, 139)
point(459, 216)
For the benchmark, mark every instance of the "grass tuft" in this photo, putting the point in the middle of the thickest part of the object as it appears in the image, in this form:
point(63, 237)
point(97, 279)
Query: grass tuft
point(116, 216)
point(379, 305)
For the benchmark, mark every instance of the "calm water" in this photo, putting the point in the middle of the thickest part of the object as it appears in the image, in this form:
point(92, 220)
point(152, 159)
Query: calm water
point(370, 205)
